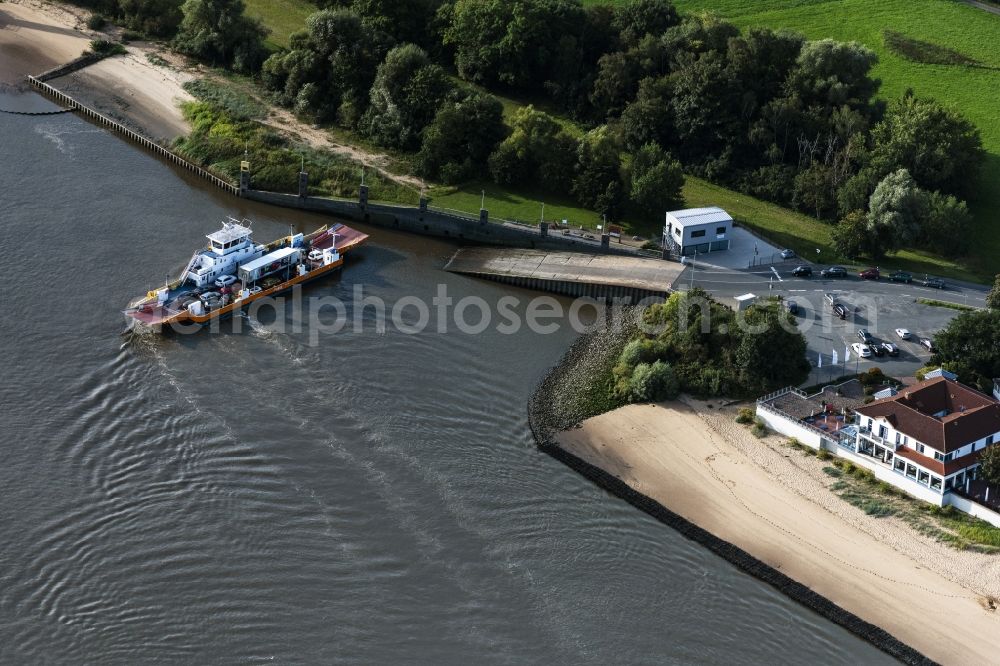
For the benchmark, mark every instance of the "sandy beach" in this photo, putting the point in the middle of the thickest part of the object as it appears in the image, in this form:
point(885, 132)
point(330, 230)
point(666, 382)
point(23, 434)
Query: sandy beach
point(37, 36)
point(704, 467)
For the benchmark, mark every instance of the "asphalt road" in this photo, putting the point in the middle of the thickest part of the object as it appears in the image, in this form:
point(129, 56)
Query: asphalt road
point(879, 306)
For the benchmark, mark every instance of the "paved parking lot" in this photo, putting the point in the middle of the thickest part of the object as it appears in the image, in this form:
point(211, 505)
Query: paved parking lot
point(879, 306)
point(880, 315)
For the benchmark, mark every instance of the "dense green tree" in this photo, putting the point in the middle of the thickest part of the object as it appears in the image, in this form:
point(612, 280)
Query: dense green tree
point(649, 117)
point(655, 180)
point(941, 149)
point(970, 346)
point(814, 191)
point(513, 42)
point(698, 34)
point(457, 144)
point(704, 106)
point(405, 96)
point(831, 74)
point(762, 61)
point(993, 297)
point(219, 32)
point(159, 18)
point(851, 236)
point(635, 19)
point(712, 351)
point(654, 382)
point(616, 82)
point(989, 465)
point(538, 152)
point(895, 212)
point(769, 351)
point(408, 21)
point(329, 69)
point(598, 164)
point(946, 224)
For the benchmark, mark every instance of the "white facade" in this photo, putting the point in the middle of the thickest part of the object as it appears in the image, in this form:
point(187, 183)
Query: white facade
point(697, 230)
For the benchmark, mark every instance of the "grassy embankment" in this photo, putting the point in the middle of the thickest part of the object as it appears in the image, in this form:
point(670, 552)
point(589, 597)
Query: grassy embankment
point(860, 488)
point(224, 124)
point(967, 29)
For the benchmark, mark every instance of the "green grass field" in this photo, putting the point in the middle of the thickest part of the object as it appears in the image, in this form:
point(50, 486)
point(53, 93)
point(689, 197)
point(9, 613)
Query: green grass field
point(283, 17)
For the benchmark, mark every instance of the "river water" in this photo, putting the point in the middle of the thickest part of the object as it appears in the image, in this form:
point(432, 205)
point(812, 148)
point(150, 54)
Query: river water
point(246, 497)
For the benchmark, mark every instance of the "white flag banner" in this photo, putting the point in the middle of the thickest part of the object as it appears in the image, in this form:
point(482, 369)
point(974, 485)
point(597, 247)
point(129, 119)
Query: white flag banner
point(819, 362)
point(833, 361)
point(847, 353)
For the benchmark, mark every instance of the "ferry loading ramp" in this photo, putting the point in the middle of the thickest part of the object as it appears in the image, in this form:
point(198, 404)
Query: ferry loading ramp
point(569, 273)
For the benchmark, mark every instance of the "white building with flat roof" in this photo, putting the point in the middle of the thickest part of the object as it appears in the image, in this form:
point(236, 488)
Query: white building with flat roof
point(697, 230)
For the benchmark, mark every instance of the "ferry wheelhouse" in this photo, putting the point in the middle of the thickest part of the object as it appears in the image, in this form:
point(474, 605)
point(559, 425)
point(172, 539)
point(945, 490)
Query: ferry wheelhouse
point(233, 271)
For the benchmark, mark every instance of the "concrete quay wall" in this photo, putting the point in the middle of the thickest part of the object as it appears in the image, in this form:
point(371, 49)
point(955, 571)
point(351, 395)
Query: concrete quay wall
point(429, 222)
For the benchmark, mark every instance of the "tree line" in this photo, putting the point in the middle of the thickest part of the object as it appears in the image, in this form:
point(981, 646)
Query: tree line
point(765, 112)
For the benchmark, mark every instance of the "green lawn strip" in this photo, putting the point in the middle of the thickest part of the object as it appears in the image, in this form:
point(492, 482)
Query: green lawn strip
point(946, 304)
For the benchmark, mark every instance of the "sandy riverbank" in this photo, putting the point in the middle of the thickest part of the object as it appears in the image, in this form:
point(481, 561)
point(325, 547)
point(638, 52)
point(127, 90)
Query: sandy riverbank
point(748, 493)
point(37, 36)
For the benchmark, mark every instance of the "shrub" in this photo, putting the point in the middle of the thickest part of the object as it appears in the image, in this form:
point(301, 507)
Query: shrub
point(96, 21)
point(745, 415)
point(105, 48)
point(655, 381)
point(131, 36)
point(833, 471)
point(823, 454)
point(759, 429)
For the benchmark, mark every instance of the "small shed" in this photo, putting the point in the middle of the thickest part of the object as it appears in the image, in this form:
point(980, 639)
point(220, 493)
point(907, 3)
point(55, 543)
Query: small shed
point(744, 301)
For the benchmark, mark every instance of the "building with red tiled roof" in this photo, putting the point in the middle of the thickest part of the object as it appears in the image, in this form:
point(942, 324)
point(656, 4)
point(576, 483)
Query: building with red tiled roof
point(931, 432)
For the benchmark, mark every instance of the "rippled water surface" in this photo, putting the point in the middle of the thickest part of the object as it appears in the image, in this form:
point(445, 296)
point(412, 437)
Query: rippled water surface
point(245, 497)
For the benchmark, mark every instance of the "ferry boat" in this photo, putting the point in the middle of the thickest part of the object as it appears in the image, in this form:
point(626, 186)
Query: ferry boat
point(233, 271)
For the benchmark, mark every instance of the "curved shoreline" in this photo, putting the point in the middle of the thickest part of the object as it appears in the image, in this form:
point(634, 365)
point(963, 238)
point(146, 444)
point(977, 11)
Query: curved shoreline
point(544, 425)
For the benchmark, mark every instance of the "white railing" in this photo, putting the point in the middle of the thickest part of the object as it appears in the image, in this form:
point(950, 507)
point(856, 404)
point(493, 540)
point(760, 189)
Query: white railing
point(785, 391)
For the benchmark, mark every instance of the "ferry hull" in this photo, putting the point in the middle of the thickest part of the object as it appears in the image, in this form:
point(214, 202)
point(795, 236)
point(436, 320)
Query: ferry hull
point(149, 315)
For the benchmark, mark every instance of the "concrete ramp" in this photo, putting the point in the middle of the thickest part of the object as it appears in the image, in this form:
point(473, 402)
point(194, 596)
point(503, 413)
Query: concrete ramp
point(569, 273)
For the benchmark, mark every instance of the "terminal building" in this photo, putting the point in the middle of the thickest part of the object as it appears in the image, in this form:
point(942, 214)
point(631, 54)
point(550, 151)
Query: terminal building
point(697, 231)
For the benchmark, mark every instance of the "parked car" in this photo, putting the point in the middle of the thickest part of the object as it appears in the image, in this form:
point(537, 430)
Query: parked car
point(788, 254)
point(802, 271)
point(862, 350)
point(637, 238)
point(890, 349)
point(904, 333)
point(901, 276)
point(869, 274)
point(927, 343)
point(834, 272)
point(876, 348)
point(224, 281)
point(840, 310)
point(933, 282)
point(865, 336)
